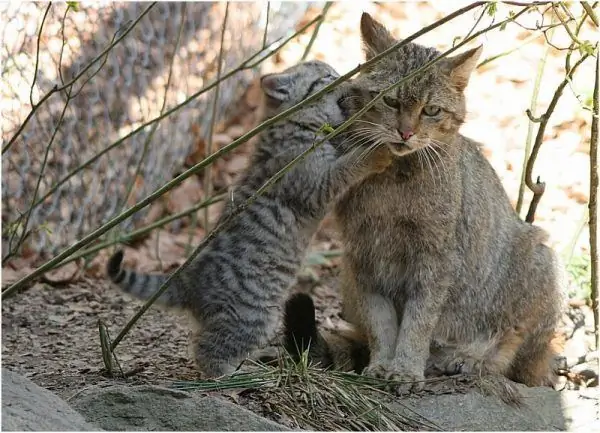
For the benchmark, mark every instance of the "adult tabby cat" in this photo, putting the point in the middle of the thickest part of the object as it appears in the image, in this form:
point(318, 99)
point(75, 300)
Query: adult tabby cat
point(439, 272)
point(234, 287)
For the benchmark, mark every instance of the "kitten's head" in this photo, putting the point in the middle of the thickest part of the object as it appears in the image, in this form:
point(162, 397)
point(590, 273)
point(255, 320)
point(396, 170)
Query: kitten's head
point(285, 89)
point(426, 111)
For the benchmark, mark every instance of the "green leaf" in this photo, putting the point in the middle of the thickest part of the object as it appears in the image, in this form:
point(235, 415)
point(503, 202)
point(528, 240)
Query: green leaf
point(587, 48)
point(503, 25)
point(492, 8)
point(326, 129)
point(73, 5)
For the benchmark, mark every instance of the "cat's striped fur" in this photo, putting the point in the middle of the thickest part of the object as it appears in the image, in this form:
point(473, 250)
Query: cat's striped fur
point(235, 287)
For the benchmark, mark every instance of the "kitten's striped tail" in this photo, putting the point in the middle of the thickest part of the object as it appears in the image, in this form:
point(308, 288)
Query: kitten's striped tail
point(142, 286)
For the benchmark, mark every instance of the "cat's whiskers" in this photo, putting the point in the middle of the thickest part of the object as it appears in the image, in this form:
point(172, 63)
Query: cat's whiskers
point(429, 162)
point(437, 151)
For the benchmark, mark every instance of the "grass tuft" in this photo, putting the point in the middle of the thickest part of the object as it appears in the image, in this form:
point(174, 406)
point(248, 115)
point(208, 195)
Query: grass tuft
point(311, 398)
point(316, 399)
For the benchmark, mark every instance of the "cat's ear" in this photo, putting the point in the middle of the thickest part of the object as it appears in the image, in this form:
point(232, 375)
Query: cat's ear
point(375, 36)
point(276, 86)
point(460, 67)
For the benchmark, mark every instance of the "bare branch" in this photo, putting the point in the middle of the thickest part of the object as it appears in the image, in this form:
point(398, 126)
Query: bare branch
point(316, 30)
point(37, 55)
point(593, 204)
point(538, 187)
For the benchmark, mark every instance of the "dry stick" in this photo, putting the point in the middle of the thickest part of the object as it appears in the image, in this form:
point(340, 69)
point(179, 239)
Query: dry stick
point(532, 109)
point(56, 88)
point(593, 206)
point(241, 67)
point(300, 157)
point(208, 160)
point(316, 31)
point(538, 187)
point(264, 42)
point(37, 54)
point(213, 117)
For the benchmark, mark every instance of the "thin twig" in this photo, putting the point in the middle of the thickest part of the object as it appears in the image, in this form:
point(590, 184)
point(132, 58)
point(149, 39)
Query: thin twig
point(264, 42)
point(593, 205)
point(231, 216)
point(529, 137)
point(57, 88)
point(11, 290)
point(213, 118)
point(572, 35)
point(62, 47)
point(538, 187)
point(37, 54)
point(316, 31)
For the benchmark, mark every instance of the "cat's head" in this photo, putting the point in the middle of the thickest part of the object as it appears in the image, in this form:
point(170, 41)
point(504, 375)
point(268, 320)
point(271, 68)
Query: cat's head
point(285, 89)
point(426, 111)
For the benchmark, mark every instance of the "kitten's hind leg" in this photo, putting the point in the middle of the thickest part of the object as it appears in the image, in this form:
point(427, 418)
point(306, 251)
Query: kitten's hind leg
point(219, 349)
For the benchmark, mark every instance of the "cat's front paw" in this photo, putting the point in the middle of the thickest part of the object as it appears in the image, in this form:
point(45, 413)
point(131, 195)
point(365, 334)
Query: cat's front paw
point(403, 381)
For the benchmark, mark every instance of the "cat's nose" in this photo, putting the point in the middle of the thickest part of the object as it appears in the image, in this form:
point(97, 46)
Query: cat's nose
point(406, 134)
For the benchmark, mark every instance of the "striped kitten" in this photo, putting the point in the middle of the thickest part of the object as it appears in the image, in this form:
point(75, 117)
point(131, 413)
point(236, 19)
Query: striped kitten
point(234, 288)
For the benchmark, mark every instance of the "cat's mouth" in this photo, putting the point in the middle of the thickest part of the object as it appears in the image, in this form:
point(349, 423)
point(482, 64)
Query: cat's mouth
point(400, 148)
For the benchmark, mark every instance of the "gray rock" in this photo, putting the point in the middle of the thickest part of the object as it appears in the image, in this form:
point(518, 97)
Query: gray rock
point(28, 407)
point(148, 407)
point(542, 411)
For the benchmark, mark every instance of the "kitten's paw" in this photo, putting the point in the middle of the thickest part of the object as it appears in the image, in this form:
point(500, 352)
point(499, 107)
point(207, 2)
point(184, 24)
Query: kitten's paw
point(381, 159)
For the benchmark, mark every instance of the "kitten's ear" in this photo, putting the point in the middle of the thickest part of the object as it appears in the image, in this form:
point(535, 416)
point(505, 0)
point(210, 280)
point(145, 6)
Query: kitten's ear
point(375, 36)
point(461, 66)
point(276, 86)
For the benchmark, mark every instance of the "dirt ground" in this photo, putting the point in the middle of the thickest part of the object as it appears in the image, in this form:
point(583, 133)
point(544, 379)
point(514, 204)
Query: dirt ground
point(50, 333)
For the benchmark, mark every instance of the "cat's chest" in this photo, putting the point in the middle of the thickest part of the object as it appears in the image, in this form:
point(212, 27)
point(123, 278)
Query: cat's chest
point(391, 196)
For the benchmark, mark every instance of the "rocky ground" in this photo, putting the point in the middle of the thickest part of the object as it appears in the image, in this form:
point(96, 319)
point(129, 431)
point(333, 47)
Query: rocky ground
point(50, 333)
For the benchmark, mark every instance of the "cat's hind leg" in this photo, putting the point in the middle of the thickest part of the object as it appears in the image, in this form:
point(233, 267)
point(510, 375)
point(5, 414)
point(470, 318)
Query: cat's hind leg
point(482, 356)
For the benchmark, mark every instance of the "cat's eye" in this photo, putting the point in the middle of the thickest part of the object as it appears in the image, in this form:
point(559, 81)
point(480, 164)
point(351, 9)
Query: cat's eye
point(373, 93)
point(390, 102)
point(431, 110)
